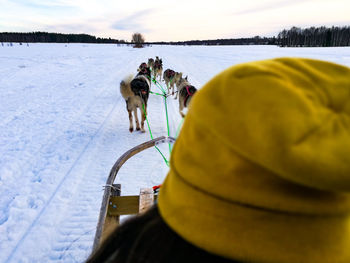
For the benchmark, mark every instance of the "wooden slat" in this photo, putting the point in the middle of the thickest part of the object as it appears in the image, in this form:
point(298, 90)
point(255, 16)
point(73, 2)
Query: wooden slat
point(123, 205)
point(111, 221)
point(146, 199)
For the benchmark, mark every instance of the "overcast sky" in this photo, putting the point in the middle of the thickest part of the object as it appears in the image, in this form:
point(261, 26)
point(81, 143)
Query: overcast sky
point(174, 20)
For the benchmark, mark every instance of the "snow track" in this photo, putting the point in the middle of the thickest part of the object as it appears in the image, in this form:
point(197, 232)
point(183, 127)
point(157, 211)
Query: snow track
point(78, 201)
point(63, 124)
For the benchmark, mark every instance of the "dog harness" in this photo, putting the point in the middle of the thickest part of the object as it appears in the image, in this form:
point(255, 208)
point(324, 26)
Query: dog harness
point(144, 71)
point(189, 93)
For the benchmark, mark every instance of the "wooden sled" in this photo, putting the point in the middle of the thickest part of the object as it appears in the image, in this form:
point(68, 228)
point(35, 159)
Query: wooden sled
point(114, 205)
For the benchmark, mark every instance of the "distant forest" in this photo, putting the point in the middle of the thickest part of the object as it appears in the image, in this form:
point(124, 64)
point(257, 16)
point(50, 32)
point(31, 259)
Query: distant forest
point(257, 40)
point(314, 37)
point(294, 37)
point(45, 37)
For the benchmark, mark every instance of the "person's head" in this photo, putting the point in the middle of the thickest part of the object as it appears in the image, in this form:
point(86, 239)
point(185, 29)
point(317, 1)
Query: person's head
point(260, 171)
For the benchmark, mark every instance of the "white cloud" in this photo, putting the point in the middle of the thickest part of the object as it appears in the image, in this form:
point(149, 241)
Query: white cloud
point(171, 20)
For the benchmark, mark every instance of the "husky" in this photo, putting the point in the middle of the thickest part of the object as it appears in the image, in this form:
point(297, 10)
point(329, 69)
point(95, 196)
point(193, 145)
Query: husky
point(186, 92)
point(171, 77)
point(135, 91)
point(151, 63)
point(142, 66)
point(157, 68)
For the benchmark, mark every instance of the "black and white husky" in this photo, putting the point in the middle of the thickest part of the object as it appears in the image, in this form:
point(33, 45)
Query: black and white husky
point(135, 91)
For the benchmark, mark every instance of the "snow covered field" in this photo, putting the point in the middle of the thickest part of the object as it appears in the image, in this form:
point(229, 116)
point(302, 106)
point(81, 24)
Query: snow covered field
point(63, 124)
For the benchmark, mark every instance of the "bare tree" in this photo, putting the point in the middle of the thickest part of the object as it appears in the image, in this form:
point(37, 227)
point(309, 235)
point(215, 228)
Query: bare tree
point(138, 39)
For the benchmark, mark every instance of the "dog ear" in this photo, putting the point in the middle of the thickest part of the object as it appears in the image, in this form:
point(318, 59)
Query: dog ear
point(186, 78)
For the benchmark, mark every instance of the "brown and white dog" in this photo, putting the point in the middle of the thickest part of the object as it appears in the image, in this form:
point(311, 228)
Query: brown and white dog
point(151, 63)
point(171, 77)
point(158, 68)
point(186, 92)
point(135, 91)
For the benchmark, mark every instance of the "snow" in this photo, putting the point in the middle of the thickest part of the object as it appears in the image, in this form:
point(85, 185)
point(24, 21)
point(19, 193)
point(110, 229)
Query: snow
point(63, 124)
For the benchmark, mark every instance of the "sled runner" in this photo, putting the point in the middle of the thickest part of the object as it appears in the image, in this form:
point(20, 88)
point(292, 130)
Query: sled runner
point(114, 205)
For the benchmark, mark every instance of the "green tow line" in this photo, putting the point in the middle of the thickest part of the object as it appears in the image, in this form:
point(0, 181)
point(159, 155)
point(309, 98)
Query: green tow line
point(150, 132)
point(164, 95)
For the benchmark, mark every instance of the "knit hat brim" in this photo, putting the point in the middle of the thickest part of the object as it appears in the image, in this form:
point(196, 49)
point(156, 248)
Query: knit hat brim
point(251, 234)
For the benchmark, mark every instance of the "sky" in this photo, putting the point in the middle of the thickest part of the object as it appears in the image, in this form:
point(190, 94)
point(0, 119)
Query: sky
point(165, 20)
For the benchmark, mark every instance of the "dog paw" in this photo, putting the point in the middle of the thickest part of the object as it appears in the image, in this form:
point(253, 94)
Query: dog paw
point(138, 128)
point(131, 129)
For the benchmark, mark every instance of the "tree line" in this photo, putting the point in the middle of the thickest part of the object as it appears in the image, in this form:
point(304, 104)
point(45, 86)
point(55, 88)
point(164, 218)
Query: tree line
point(257, 40)
point(294, 37)
point(314, 37)
point(46, 37)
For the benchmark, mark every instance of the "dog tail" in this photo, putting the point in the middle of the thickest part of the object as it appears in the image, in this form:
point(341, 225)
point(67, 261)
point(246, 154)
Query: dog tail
point(125, 88)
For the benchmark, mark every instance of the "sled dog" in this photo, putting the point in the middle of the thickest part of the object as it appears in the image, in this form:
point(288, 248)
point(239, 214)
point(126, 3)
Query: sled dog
point(135, 91)
point(170, 77)
point(142, 66)
point(157, 68)
point(151, 63)
point(186, 92)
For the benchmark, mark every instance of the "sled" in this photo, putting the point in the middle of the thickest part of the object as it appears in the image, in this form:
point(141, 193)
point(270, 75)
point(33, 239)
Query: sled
point(114, 205)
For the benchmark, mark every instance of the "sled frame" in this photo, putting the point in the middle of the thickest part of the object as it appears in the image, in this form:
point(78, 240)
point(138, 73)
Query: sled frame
point(114, 205)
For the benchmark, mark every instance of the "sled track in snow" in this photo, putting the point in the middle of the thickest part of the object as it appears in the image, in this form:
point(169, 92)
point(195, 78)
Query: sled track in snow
point(73, 240)
point(48, 202)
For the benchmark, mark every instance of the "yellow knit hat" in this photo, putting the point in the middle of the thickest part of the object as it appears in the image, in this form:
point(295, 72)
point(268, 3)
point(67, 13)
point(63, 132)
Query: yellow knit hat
point(261, 169)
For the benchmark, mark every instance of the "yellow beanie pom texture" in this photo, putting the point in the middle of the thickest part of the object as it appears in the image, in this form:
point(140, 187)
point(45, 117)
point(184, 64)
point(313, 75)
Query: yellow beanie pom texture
point(261, 169)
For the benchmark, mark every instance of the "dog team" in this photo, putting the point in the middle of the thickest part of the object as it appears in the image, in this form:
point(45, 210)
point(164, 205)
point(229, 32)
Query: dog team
point(135, 90)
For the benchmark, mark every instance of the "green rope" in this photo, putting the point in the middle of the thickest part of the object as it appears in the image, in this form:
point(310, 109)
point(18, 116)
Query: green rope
point(150, 132)
point(156, 93)
point(167, 122)
point(166, 110)
point(149, 128)
point(159, 86)
point(165, 160)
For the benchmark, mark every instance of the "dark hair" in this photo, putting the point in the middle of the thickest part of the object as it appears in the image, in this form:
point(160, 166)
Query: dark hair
point(146, 238)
